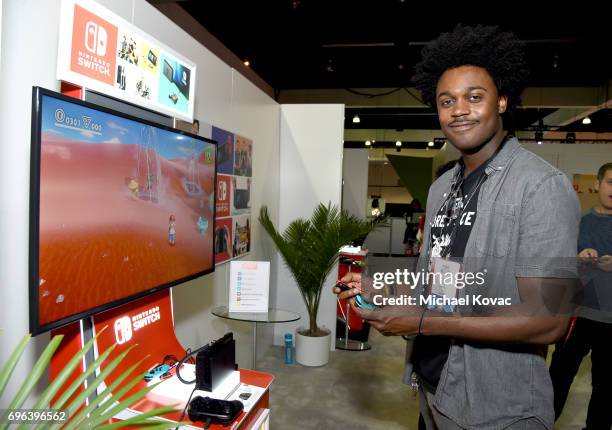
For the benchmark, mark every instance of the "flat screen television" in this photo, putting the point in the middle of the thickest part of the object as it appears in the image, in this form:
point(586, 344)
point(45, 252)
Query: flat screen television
point(119, 208)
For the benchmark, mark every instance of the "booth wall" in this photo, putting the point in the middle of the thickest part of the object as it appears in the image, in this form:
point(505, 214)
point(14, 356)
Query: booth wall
point(28, 58)
point(355, 181)
point(311, 173)
point(29, 38)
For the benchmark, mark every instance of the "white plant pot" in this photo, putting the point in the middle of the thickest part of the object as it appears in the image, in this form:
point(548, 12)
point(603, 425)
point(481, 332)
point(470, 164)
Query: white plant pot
point(312, 351)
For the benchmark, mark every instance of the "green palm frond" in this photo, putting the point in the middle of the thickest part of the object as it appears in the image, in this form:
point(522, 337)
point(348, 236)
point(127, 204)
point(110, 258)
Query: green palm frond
point(99, 411)
point(310, 248)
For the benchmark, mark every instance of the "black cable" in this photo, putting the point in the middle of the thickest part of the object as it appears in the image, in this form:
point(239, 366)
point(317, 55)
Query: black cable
point(188, 354)
point(413, 96)
point(359, 93)
point(185, 408)
point(180, 364)
point(369, 95)
point(207, 423)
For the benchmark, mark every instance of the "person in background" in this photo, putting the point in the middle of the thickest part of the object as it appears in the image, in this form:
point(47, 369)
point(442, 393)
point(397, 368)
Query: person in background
point(591, 331)
point(195, 127)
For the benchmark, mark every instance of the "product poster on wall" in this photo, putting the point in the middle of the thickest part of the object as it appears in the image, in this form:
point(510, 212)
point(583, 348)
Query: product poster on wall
point(241, 193)
point(242, 235)
point(223, 240)
point(223, 196)
point(225, 150)
point(233, 197)
point(243, 164)
point(101, 51)
point(174, 83)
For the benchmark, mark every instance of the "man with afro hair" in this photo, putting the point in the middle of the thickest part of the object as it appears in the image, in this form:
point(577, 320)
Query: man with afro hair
point(501, 212)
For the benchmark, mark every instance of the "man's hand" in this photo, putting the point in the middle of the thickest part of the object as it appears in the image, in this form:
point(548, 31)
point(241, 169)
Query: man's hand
point(605, 263)
point(353, 280)
point(588, 253)
point(392, 320)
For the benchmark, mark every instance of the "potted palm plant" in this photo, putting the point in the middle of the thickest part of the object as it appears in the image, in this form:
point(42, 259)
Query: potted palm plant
point(310, 249)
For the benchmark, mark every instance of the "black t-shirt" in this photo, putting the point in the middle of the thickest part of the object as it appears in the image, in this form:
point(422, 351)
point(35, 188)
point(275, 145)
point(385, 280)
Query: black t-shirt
point(450, 232)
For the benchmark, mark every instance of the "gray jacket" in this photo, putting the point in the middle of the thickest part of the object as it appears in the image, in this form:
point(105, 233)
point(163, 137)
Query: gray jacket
point(528, 218)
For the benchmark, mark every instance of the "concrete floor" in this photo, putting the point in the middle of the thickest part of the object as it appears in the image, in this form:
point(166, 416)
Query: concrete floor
point(363, 391)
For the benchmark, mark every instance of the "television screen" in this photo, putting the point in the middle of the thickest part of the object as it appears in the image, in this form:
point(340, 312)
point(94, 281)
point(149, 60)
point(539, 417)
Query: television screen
point(120, 208)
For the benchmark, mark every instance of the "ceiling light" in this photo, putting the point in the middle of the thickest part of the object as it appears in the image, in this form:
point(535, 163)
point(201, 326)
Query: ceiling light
point(586, 120)
point(430, 144)
point(247, 63)
point(368, 143)
point(356, 119)
point(398, 143)
point(555, 63)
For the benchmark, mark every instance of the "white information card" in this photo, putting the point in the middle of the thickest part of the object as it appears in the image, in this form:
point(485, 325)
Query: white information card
point(249, 286)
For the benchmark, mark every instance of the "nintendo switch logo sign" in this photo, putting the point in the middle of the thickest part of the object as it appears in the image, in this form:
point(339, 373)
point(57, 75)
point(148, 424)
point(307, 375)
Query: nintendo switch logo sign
point(222, 190)
point(127, 325)
point(95, 39)
point(94, 46)
point(223, 194)
point(123, 330)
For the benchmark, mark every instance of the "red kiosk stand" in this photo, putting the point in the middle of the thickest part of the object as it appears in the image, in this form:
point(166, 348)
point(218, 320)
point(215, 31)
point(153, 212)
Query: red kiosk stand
point(147, 325)
point(349, 322)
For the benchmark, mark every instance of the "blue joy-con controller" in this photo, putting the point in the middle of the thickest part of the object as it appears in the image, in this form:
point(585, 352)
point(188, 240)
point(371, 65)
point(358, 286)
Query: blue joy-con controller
point(156, 372)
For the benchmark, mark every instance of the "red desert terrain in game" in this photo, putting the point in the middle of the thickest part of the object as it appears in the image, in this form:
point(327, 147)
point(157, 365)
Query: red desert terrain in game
point(102, 238)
